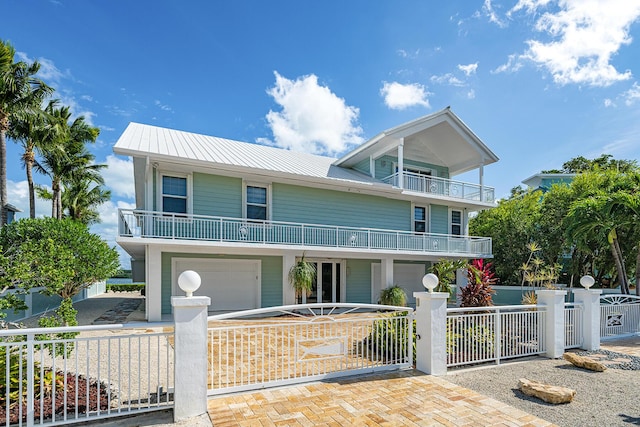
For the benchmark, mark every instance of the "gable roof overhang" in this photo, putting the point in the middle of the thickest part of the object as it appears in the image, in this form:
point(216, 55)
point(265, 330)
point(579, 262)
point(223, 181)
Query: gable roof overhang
point(440, 138)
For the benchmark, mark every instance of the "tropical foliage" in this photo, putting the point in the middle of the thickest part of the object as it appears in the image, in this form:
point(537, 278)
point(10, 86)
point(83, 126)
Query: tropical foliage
point(302, 276)
point(590, 226)
point(393, 295)
point(478, 291)
point(446, 269)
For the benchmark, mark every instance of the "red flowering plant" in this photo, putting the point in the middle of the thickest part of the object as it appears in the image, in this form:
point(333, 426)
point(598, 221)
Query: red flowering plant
point(478, 292)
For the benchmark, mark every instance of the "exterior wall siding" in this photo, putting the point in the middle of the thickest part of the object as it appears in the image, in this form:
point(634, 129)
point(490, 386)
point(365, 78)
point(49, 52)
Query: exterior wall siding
point(363, 166)
point(217, 195)
point(319, 206)
point(359, 281)
point(271, 288)
point(439, 219)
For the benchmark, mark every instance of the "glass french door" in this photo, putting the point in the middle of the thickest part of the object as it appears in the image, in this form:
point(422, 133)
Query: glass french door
point(327, 286)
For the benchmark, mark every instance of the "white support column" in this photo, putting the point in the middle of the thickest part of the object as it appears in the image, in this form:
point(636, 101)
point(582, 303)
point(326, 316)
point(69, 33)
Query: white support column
point(431, 332)
point(288, 293)
point(554, 331)
point(590, 300)
point(372, 167)
point(386, 278)
point(153, 293)
point(190, 393)
point(401, 164)
point(462, 280)
point(481, 180)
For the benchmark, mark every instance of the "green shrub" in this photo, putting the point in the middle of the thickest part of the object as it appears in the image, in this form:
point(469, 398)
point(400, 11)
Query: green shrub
point(388, 339)
point(125, 287)
point(393, 295)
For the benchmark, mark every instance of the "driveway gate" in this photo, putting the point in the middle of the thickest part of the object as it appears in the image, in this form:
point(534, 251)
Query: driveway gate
point(619, 315)
point(298, 343)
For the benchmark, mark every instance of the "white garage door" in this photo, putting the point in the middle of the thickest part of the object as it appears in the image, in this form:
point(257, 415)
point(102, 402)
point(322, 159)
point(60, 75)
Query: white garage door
point(407, 276)
point(232, 284)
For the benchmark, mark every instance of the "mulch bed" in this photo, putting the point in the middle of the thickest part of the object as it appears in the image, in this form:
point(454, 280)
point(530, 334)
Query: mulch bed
point(46, 406)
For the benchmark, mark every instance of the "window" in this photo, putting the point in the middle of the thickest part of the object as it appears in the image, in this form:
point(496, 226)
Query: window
point(456, 223)
point(174, 194)
point(419, 219)
point(256, 202)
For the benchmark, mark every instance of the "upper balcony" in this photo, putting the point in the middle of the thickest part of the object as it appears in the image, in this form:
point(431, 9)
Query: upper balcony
point(441, 187)
point(136, 225)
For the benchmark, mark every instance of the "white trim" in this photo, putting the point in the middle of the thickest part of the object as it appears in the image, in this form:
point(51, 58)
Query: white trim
point(409, 167)
point(343, 276)
point(427, 225)
point(160, 194)
point(462, 222)
point(246, 184)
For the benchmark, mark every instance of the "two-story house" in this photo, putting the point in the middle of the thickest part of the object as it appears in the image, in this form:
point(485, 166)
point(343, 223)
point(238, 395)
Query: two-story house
point(241, 214)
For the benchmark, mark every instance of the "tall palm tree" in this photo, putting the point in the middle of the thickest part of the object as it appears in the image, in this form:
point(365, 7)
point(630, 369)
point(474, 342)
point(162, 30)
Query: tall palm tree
point(627, 206)
point(81, 197)
point(68, 155)
point(20, 93)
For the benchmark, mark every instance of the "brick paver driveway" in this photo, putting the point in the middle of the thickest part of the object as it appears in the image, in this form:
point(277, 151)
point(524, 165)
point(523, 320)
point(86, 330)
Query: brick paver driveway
point(404, 398)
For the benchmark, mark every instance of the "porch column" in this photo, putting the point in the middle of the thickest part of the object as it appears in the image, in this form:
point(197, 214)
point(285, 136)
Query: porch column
point(153, 293)
point(554, 332)
point(481, 180)
point(401, 164)
point(590, 300)
point(372, 167)
point(288, 293)
point(431, 332)
point(386, 277)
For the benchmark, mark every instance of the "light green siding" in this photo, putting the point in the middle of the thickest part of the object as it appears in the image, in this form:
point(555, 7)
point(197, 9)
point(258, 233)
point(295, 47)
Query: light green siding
point(271, 286)
point(384, 167)
point(217, 195)
point(439, 219)
point(363, 166)
point(319, 206)
point(359, 280)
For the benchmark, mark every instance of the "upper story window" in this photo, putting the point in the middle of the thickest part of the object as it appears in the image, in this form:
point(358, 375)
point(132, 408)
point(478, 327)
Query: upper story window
point(257, 202)
point(174, 194)
point(419, 219)
point(456, 222)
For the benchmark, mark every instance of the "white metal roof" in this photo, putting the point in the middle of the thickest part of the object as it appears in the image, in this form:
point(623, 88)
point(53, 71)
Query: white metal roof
point(139, 140)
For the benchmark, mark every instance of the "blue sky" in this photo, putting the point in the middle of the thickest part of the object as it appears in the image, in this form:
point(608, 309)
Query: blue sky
point(539, 81)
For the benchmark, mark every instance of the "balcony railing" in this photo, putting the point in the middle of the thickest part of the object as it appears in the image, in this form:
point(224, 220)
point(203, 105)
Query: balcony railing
point(163, 225)
point(442, 187)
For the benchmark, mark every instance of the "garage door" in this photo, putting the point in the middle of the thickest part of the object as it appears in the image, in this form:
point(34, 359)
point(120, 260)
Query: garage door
point(407, 276)
point(232, 284)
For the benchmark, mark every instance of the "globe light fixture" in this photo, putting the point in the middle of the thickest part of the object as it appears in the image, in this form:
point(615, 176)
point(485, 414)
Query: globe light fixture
point(587, 281)
point(430, 281)
point(189, 281)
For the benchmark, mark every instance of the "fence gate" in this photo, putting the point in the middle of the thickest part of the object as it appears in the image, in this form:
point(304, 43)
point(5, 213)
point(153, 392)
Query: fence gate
point(298, 343)
point(619, 315)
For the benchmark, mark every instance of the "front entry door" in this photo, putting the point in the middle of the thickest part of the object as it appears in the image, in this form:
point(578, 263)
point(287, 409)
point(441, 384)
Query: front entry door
point(327, 287)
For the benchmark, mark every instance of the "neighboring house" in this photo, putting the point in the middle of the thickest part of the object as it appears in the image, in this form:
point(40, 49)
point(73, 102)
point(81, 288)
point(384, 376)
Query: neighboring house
point(241, 214)
point(11, 212)
point(544, 181)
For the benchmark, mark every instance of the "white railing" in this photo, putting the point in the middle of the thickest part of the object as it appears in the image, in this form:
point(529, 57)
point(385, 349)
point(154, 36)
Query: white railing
point(298, 343)
point(150, 224)
point(619, 315)
point(573, 325)
point(492, 334)
point(52, 381)
point(442, 187)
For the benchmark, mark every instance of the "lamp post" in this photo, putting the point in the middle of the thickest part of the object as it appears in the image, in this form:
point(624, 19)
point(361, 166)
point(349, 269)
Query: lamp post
point(189, 281)
point(430, 282)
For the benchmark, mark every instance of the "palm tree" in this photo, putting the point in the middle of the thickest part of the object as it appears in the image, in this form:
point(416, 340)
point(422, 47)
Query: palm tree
point(20, 94)
point(628, 206)
point(67, 155)
point(82, 194)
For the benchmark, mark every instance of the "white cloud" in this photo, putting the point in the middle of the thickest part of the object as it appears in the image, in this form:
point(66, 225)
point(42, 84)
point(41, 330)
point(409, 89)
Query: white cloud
point(118, 176)
point(513, 64)
point(313, 119)
point(471, 94)
point(162, 106)
point(48, 70)
point(398, 96)
point(609, 103)
point(632, 95)
point(468, 69)
point(488, 10)
point(18, 195)
point(448, 79)
point(405, 54)
point(584, 36)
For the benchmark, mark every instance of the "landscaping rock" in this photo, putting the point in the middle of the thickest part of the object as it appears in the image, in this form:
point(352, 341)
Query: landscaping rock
point(584, 362)
point(548, 393)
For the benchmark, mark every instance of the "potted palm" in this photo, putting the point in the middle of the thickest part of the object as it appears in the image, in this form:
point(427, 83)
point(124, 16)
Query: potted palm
point(302, 276)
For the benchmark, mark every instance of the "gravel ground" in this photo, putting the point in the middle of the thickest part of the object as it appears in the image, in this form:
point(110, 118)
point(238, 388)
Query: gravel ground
point(608, 398)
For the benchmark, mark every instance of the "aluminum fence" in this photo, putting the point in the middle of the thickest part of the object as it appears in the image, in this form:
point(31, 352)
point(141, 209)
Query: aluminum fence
point(573, 325)
point(619, 315)
point(291, 344)
point(492, 334)
point(52, 376)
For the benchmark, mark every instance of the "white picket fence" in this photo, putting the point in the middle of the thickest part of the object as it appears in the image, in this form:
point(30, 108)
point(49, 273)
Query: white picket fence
point(620, 315)
point(105, 371)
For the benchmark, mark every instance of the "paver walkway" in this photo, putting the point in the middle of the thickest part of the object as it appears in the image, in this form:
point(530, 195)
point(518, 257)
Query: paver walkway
point(405, 398)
